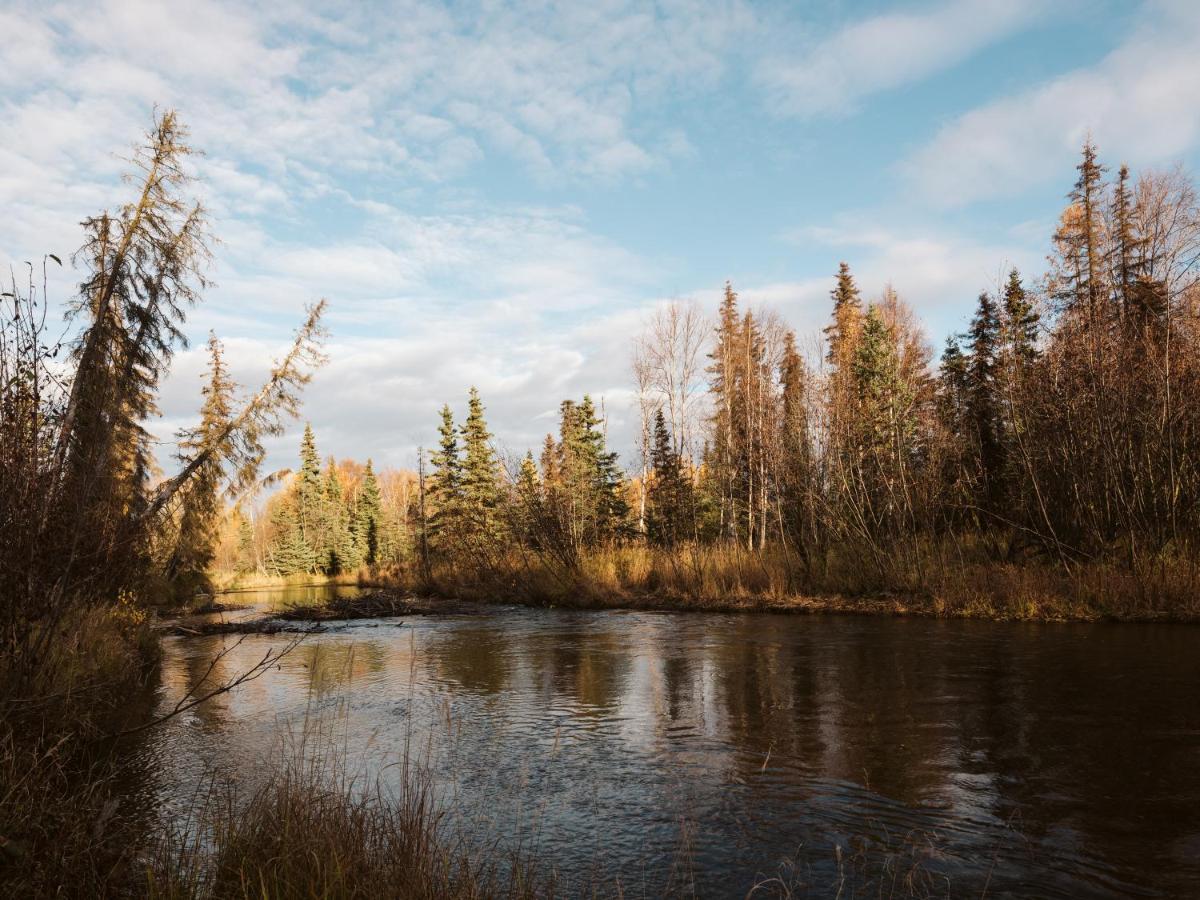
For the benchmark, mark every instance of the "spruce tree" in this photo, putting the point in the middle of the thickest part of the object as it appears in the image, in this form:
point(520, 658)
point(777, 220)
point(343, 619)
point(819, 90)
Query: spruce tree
point(247, 560)
point(310, 496)
point(885, 427)
point(1125, 253)
point(201, 506)
point(723, 387)
point(290, 553)
point(480, 474)
point(1080, 241)
point(445, 484)
point(983, 402)
point(590, 482)
point(954, 391)
point(841, 335)
point(341, 549)
point(368, 518)
point(796, 472)
point(670, 496)
point(530, 510)
point(612, 511)
point(876, 382)
point(1021, 321)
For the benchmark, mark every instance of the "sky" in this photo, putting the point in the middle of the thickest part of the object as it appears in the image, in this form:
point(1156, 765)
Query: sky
point(499, 194)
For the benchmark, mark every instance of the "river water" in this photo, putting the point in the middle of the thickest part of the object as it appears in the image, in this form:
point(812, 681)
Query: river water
point(971, 757)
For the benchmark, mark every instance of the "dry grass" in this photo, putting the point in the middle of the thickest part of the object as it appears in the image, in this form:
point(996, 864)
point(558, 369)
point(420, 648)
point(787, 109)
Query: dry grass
point(232, 582)
point(313, 831)
point(945, 580)
point(63, 830)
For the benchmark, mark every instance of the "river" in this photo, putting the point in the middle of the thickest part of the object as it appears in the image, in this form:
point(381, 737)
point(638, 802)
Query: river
point(972, 757)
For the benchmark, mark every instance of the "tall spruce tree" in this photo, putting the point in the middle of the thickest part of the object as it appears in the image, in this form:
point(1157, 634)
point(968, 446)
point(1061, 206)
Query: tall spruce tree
point(954, 389)
point(143, 268)
point(669, 508)
point(201, 506)
point(723, 372)
point(796, 444)
point(886, 430)
point(480, 473)
point(841, 335)
point(530, 512)
point(341, 551)
point(983, 402)
point(368, 518)
point(290, 553)
point(310, 495)
point(1080, 240)
point(445, 494)
point(590, 481)
point(247, 557)
point(1020, 322)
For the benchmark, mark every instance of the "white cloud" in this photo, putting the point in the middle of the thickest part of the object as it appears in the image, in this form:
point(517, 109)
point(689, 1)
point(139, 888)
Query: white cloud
point(1138, 103)
point(887, 51)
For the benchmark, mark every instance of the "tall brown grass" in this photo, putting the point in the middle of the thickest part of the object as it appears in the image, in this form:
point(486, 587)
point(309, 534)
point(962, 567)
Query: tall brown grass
point(314, 830)
point(924, 577)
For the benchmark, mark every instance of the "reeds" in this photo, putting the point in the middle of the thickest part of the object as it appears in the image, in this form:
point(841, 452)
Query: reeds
point(313, 830)
point(923, 577)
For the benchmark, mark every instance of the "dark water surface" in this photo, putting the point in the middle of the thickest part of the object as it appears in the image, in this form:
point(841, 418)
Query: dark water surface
point(1011, 759)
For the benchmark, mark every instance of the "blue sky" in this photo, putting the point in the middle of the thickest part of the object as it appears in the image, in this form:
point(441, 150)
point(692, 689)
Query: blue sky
point(499, 193)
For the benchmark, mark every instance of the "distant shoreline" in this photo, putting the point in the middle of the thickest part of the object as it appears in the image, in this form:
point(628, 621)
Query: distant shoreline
point(889, 605)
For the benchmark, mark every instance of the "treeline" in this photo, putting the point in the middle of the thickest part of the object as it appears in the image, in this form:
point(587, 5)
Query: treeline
point(1062, 428)
point(327, 520)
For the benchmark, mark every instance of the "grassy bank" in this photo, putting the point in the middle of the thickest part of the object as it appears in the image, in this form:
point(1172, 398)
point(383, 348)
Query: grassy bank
point(64, 829)
point(312, 829)
point(232, 582)
point(942, 581)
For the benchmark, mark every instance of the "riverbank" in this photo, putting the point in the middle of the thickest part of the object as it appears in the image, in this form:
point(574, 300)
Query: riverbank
point(927, 582)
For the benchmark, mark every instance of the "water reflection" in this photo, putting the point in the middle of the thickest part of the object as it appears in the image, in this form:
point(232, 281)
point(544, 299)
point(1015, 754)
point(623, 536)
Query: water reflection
point(1062, 759)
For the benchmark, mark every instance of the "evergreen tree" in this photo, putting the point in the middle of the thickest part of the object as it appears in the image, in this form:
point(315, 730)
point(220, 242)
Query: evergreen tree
point(670, 496)
point(368, 518)
point(247, 559)
point(842, 333)
point(201, 507)
point(143, 268)
point(877, 384)
point(590, 481)
point(445, 484)
point(530, 509)
point(1020, 322)
point(796, 443)
point(341, 550)
point(551, 476)
point(290, 553)
point(311, 511)
point(886, 430)
point(1080, 241)
point(723, 374)
point(955, 389)
point(983, 403)
point(1126, 246)
point(480, 474)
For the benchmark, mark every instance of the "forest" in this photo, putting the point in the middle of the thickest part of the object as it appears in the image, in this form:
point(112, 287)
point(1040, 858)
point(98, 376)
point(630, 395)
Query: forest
point(1044, 465)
